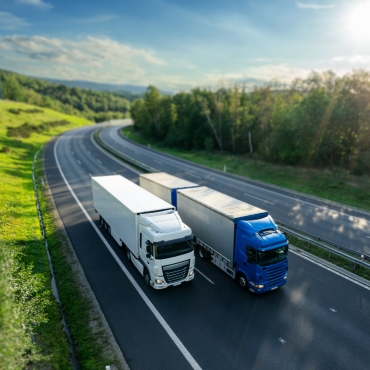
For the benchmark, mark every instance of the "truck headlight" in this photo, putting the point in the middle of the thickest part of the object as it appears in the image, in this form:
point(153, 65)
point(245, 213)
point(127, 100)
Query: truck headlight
point(285, 277)
point(191, 272)
point(158, 281)
point(259, 286)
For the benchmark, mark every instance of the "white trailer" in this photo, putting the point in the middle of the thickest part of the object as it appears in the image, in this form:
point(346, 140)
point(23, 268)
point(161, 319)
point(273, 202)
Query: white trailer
point(156, 240)
point(164, 185)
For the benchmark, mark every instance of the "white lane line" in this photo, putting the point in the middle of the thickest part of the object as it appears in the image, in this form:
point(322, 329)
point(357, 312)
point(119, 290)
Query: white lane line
point(368, 237)
point(333, 309)
point(281, 340)
point(303, 201)
point(204, 275)
point(191, 174)
point(121, 163)
point(99, 161)
point(330, 269)
point(155, 312)
point(78, 161)
point(262, 200)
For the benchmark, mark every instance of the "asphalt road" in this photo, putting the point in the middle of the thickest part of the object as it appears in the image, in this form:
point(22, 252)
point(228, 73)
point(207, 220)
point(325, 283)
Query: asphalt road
point(318, 320)
point(337, 223)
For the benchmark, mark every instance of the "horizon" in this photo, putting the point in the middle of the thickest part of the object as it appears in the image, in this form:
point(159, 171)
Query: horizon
point(180, 45)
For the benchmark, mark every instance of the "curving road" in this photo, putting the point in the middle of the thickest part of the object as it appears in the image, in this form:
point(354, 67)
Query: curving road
point(317, 320)
point(337, 223)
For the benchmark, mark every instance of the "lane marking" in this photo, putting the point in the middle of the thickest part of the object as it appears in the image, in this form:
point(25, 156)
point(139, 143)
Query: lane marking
point(121, 163)
point(333, 309)
point(262, 200)
point(191, 174)
point(157, 162)
point(204, 275)
point(150, 305)
point(330, 269)
point(98, 160)
point(303, 201)
point(281, 340)
point(78, 161)
point(368, 237)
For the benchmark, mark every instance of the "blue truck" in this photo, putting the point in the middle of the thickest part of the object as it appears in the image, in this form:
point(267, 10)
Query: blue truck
point(242, 240)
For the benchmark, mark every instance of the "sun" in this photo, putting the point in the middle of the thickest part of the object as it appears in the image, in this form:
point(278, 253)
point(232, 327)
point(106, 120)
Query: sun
point(359, 21)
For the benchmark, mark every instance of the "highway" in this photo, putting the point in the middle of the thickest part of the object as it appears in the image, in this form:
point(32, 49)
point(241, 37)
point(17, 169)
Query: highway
point(318, 320)
point(337, 223)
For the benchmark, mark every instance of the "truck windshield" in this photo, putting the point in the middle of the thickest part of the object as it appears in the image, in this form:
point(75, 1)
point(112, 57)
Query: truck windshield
point(172, 250)
point(272, 256)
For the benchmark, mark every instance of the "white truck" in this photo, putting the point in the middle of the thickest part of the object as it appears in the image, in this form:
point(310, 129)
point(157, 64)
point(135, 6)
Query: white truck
point(156, 240)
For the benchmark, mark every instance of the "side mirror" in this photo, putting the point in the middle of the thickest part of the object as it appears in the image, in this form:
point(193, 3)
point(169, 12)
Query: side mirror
point(148, 249)
point(194, 239)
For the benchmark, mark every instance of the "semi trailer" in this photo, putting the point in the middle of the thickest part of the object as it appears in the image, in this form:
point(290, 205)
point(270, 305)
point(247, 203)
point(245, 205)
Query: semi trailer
point(240, 239)
point(156, 240)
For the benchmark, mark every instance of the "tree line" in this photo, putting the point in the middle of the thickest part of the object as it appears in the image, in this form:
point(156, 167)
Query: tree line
point(321, 121)
point(94, 105)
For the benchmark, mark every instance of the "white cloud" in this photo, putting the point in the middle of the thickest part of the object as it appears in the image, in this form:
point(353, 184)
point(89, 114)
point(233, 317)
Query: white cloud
point(95, 59)
point(97, 19)
point(9, 21)
point(315, 6)
point(38, 3)
point(355, 59)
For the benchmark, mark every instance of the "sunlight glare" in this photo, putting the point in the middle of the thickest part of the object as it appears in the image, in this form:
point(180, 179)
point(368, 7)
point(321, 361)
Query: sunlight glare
point(359, 24)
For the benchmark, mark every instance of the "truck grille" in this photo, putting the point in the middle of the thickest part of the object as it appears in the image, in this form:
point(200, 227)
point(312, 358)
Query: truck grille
point(176, 272)
point(275, 275)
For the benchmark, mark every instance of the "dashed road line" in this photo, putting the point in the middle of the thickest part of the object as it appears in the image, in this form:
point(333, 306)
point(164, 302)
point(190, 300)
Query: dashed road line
point(204, 275)
point(262, 200)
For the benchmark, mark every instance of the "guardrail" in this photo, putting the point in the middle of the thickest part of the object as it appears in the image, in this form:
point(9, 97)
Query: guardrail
point(331, 247)
point(120, 155)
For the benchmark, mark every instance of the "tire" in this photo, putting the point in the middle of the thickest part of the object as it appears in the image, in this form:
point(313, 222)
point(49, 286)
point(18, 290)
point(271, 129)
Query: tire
point(108, 228)
point(147, 278)
point(105, 225)
point(202, 253)
point(101, 221)
point(242, 281)
point(128, 254)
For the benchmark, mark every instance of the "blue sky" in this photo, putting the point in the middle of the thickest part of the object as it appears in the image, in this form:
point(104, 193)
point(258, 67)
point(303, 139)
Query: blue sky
point(178, 44)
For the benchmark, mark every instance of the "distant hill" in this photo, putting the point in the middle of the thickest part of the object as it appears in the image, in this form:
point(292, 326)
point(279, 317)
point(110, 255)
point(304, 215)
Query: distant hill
point(92, 104)
point(132, 89)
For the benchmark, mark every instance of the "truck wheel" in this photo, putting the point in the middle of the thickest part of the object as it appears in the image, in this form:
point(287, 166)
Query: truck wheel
point(101, 221)
point(242, 281)
point(128, 254)
point(108, 228)
point(147, 277)
point(203, 254)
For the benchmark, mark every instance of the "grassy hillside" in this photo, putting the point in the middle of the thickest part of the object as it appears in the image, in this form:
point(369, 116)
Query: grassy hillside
point(30, 329)
point(94, 105)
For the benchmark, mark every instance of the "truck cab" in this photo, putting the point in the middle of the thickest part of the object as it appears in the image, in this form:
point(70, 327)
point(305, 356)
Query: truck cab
point(166, 254)
point(261, 255)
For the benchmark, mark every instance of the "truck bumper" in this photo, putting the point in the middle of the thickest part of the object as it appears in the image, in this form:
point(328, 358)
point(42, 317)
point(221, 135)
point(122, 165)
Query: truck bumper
point(166, 285)
point(266, 288)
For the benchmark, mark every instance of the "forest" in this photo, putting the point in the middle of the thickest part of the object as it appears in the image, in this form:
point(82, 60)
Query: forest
point(321, 121)
point(94, 105)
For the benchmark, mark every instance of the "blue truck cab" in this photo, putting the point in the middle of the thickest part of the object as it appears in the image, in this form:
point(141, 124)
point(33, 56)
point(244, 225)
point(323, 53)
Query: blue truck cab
point(261, 255)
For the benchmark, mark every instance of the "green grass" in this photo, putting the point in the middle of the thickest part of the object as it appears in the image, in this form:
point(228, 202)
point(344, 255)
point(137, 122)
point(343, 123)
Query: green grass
point(30, 322)
point(331, 184)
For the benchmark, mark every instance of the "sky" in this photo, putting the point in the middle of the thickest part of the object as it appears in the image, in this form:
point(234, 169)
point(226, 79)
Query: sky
point(181, 44)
